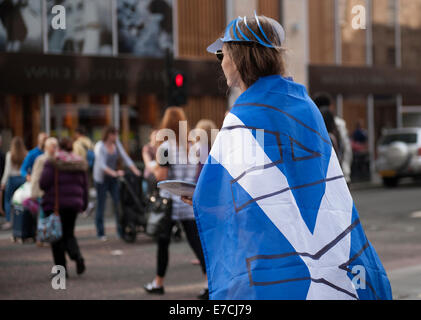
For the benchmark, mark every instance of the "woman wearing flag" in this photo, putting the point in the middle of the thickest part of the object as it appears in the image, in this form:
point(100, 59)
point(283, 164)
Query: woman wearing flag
point(272, 193)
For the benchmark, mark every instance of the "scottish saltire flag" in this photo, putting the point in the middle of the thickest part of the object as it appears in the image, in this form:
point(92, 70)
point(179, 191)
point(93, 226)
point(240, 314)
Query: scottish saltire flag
point(275, 215)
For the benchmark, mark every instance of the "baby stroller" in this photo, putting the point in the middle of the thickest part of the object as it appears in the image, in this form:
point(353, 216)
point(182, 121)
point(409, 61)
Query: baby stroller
point(135, 206)
point(132, 206)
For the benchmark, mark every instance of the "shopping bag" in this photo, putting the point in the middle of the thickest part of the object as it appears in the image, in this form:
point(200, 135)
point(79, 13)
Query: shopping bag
point(49, 228)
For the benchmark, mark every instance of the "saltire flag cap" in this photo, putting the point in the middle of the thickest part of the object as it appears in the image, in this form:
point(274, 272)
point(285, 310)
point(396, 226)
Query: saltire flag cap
point(239, 30)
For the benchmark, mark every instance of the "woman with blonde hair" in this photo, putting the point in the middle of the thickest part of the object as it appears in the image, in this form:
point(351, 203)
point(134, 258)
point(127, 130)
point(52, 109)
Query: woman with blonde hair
point(207, 126)
point(173, 165)
point(202, 148)
point(12, 179)
point(50, 150)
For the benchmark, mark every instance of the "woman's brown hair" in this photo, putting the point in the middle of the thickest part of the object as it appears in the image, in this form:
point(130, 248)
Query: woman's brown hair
point(66, 144)
point(17, 151)
point(254, 60)
point(171, 120)
point(108, 131)
point(207, 125)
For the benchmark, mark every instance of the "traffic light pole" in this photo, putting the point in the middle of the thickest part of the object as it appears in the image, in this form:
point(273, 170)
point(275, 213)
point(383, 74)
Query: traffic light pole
point(176, 85)
point(169, 61)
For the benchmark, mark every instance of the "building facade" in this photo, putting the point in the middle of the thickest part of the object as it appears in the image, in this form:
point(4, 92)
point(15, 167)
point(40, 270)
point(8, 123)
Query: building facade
point(114, 71)
point(107, 67)
point(372, 72)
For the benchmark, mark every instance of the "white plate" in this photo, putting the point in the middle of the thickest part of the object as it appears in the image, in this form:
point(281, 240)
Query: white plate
point(178, 187)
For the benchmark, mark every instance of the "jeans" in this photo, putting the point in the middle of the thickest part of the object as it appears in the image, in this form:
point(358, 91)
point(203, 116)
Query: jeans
point(68, 242)
point(13, 183)
point(110, 185)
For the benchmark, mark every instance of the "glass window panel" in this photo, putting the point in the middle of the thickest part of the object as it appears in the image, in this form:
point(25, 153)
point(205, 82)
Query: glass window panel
point(138, 116)
point(21, 116)
point(383, 17)
point(355, 116)
point(145, 27)
point(20, 26)
point(88, 27)
point(385, 115)
point(68, 112)
point(404, 137)
point(321, 31)
point(410, 20)
point(353, 40)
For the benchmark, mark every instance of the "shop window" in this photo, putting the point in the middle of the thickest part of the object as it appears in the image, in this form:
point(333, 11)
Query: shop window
point(138, 116)
point(68, 112)
point(353, 41)
point(20, 116)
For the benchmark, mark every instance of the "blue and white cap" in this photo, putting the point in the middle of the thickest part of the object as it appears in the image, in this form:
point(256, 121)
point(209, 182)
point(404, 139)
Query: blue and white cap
point(238, 30)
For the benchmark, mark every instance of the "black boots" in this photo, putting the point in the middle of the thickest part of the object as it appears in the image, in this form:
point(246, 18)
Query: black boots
point(80, 266)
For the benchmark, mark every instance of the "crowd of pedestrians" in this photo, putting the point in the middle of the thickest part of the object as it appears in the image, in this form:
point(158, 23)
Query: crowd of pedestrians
point(61, 172)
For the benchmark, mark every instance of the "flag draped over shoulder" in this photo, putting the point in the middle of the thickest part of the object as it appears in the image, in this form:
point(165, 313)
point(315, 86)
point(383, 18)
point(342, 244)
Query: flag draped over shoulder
point(275, 216)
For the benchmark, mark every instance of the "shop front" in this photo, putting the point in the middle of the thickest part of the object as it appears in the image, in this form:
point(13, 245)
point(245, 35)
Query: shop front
point(375, 98)
point(59, 93)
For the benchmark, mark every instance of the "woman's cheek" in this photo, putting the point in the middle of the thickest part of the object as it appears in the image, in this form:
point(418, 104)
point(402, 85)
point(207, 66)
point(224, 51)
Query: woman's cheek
point(228, 77)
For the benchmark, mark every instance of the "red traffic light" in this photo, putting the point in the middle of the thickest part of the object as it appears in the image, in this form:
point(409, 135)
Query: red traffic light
point(179, 80)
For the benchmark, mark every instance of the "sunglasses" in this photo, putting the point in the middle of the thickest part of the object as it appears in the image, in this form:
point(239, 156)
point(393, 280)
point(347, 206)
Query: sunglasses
point(219, 55)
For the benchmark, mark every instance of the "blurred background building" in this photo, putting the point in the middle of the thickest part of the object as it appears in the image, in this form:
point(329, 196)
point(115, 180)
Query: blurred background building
point(110, 64)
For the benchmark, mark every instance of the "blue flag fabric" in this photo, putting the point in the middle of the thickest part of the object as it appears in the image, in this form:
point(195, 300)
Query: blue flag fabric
point(275, 216)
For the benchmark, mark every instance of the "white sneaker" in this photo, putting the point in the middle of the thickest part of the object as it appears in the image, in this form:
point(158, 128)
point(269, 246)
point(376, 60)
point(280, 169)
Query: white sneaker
point(152, 288)
point(6, 226)
point(91, 207)
point(89, 210)
point(103, 238)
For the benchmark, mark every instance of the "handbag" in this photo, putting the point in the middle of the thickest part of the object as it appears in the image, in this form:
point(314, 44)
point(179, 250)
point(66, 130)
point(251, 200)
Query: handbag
point(49, 228)
point(21, 194)
point(159, 220)
point(31, 205)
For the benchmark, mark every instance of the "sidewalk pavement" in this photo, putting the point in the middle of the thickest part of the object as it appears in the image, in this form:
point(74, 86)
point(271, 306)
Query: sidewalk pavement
point(406, 283)
point(116, 270)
